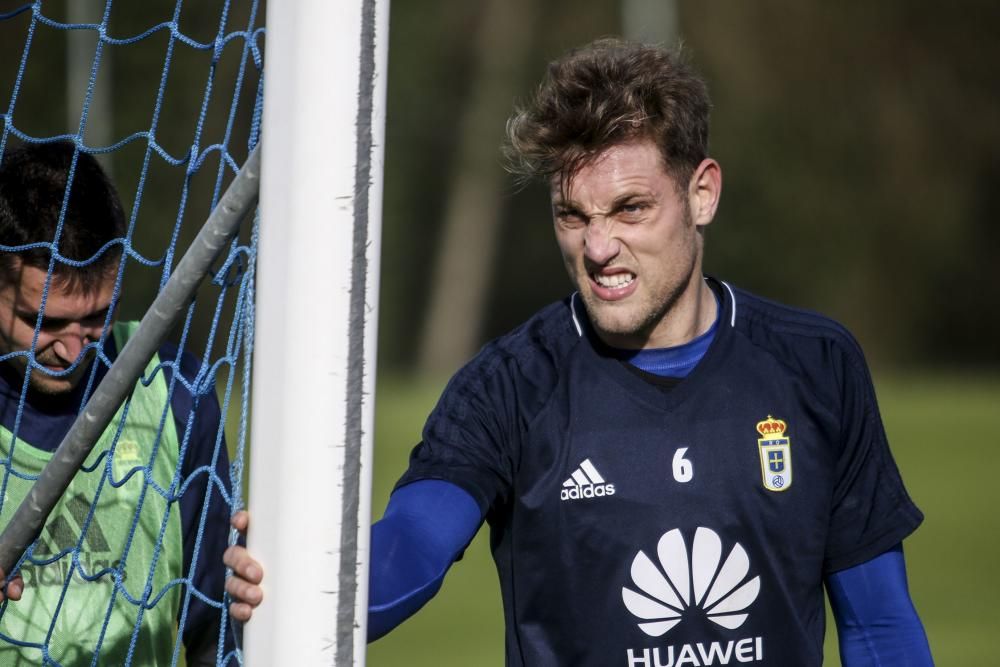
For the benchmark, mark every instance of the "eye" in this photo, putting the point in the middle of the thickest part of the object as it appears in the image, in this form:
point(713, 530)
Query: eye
point(571, 218)
point(95, 319)
point(633, 210)
point(50, 324)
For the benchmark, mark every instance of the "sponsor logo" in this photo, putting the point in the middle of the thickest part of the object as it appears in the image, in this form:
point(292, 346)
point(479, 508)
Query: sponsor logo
point(89, 570)
point(686, 579)
point(127, 456)
point(585, 482)
point(60, 538)
point(749, 649)
point(61, 535)
point(775, 454)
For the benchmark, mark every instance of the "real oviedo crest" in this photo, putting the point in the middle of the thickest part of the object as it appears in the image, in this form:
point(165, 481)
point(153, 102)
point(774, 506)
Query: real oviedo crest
point(775, 454)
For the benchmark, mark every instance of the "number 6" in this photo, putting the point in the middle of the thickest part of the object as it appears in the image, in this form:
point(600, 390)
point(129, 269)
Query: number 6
point(683, 469)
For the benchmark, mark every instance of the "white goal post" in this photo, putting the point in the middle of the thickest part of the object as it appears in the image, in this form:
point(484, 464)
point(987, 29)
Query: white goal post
point(315, 328)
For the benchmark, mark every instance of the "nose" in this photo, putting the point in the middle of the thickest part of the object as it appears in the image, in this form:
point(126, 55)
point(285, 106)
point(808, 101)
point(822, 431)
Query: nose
point(600, 245)
point(70, 343)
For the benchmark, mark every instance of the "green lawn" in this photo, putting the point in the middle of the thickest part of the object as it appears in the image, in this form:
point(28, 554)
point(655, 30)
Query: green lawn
point(946, 439)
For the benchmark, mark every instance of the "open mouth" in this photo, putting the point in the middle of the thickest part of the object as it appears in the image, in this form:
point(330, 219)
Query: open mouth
point(613, 286)
point(613, 281)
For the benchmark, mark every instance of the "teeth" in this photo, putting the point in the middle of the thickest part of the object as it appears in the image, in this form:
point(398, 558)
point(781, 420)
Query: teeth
point(614, 280)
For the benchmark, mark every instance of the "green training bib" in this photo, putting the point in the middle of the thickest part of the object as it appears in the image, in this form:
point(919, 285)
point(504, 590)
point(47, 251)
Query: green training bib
point(78, 604)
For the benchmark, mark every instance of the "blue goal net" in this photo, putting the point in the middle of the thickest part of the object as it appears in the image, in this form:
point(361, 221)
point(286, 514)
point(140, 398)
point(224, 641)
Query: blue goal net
point(162, 101)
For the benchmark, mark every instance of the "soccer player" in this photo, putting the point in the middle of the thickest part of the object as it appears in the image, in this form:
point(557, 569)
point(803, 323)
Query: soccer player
point(672, 468)
point(57, 338)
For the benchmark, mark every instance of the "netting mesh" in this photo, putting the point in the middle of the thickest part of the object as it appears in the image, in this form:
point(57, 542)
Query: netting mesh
point(168, 97)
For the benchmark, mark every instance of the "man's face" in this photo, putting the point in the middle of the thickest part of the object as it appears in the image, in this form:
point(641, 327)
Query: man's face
point(72, 319)
point(630, 244)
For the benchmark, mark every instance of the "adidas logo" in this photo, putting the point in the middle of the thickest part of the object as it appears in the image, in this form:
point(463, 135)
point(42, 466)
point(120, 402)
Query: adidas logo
point(686, 579)
point(60, 535)
point(586, 482)
point(57, 547)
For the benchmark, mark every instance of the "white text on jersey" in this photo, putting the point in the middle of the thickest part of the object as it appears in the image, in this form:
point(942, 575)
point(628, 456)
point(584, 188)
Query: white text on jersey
point(586, 482)
point(750, 649)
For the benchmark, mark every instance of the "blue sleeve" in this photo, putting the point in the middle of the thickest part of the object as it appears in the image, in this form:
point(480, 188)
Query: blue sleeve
point(201, 456)
point(426, 527)
point(876, 621)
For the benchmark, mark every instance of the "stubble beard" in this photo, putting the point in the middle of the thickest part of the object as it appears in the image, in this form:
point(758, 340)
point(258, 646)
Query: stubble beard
point(46, 385)
point(42, 384)
point(638, 322)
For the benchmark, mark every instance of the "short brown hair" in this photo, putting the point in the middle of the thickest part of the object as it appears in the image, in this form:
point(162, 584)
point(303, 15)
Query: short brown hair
point(33, 183)
point(605, 93)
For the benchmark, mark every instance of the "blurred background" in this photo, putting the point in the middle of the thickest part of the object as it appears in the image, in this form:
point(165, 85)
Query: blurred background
point(860, 145)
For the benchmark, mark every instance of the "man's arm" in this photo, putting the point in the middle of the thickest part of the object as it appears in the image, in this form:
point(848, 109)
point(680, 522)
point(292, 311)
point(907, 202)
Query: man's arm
point(426, 527)
point(876, 621)
point(204, 512)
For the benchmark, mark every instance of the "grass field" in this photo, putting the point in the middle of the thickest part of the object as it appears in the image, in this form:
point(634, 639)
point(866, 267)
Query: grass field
point(945, 433)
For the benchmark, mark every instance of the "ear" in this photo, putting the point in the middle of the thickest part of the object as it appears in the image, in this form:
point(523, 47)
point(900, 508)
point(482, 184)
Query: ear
point(704, 191)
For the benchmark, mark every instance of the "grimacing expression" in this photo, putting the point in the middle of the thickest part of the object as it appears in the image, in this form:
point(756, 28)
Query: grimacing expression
point(72, 319)
point(629, 242)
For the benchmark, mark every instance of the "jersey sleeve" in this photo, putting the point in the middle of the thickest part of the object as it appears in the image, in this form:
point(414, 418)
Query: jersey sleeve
point(426, 527)
point(877, 623)
point(205, 469)
point(471, 437)
point(871, 510)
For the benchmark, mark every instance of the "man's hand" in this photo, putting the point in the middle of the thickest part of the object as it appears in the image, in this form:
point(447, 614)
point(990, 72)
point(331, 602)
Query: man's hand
point(244, 585)
point(12, 589)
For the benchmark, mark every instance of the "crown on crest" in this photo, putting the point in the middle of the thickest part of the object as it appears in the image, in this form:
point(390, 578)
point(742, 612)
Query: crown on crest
point(771, 427)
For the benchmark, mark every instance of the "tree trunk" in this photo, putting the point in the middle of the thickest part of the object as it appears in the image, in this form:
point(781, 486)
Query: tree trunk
point(460, 284)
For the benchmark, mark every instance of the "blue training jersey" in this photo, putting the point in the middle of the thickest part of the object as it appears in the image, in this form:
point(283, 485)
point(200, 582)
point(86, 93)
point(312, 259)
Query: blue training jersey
point(45, 422)
point(643, 527)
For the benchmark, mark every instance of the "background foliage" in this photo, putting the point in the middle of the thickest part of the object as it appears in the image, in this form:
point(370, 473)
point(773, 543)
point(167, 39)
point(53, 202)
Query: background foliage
point(859, 147)
point(859, 144)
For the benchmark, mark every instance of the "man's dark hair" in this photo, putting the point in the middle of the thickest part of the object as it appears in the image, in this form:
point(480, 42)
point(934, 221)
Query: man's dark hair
point(609, 92)
point(33, 183)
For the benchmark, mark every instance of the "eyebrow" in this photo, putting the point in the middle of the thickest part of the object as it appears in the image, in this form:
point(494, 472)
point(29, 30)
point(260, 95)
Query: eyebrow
point(565, 205)
point(32, 314)
point(618, 202)
point(630, 198)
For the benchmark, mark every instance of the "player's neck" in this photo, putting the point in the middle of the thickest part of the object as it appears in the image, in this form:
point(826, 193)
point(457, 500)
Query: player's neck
point(12, 383)
point(693, 314)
